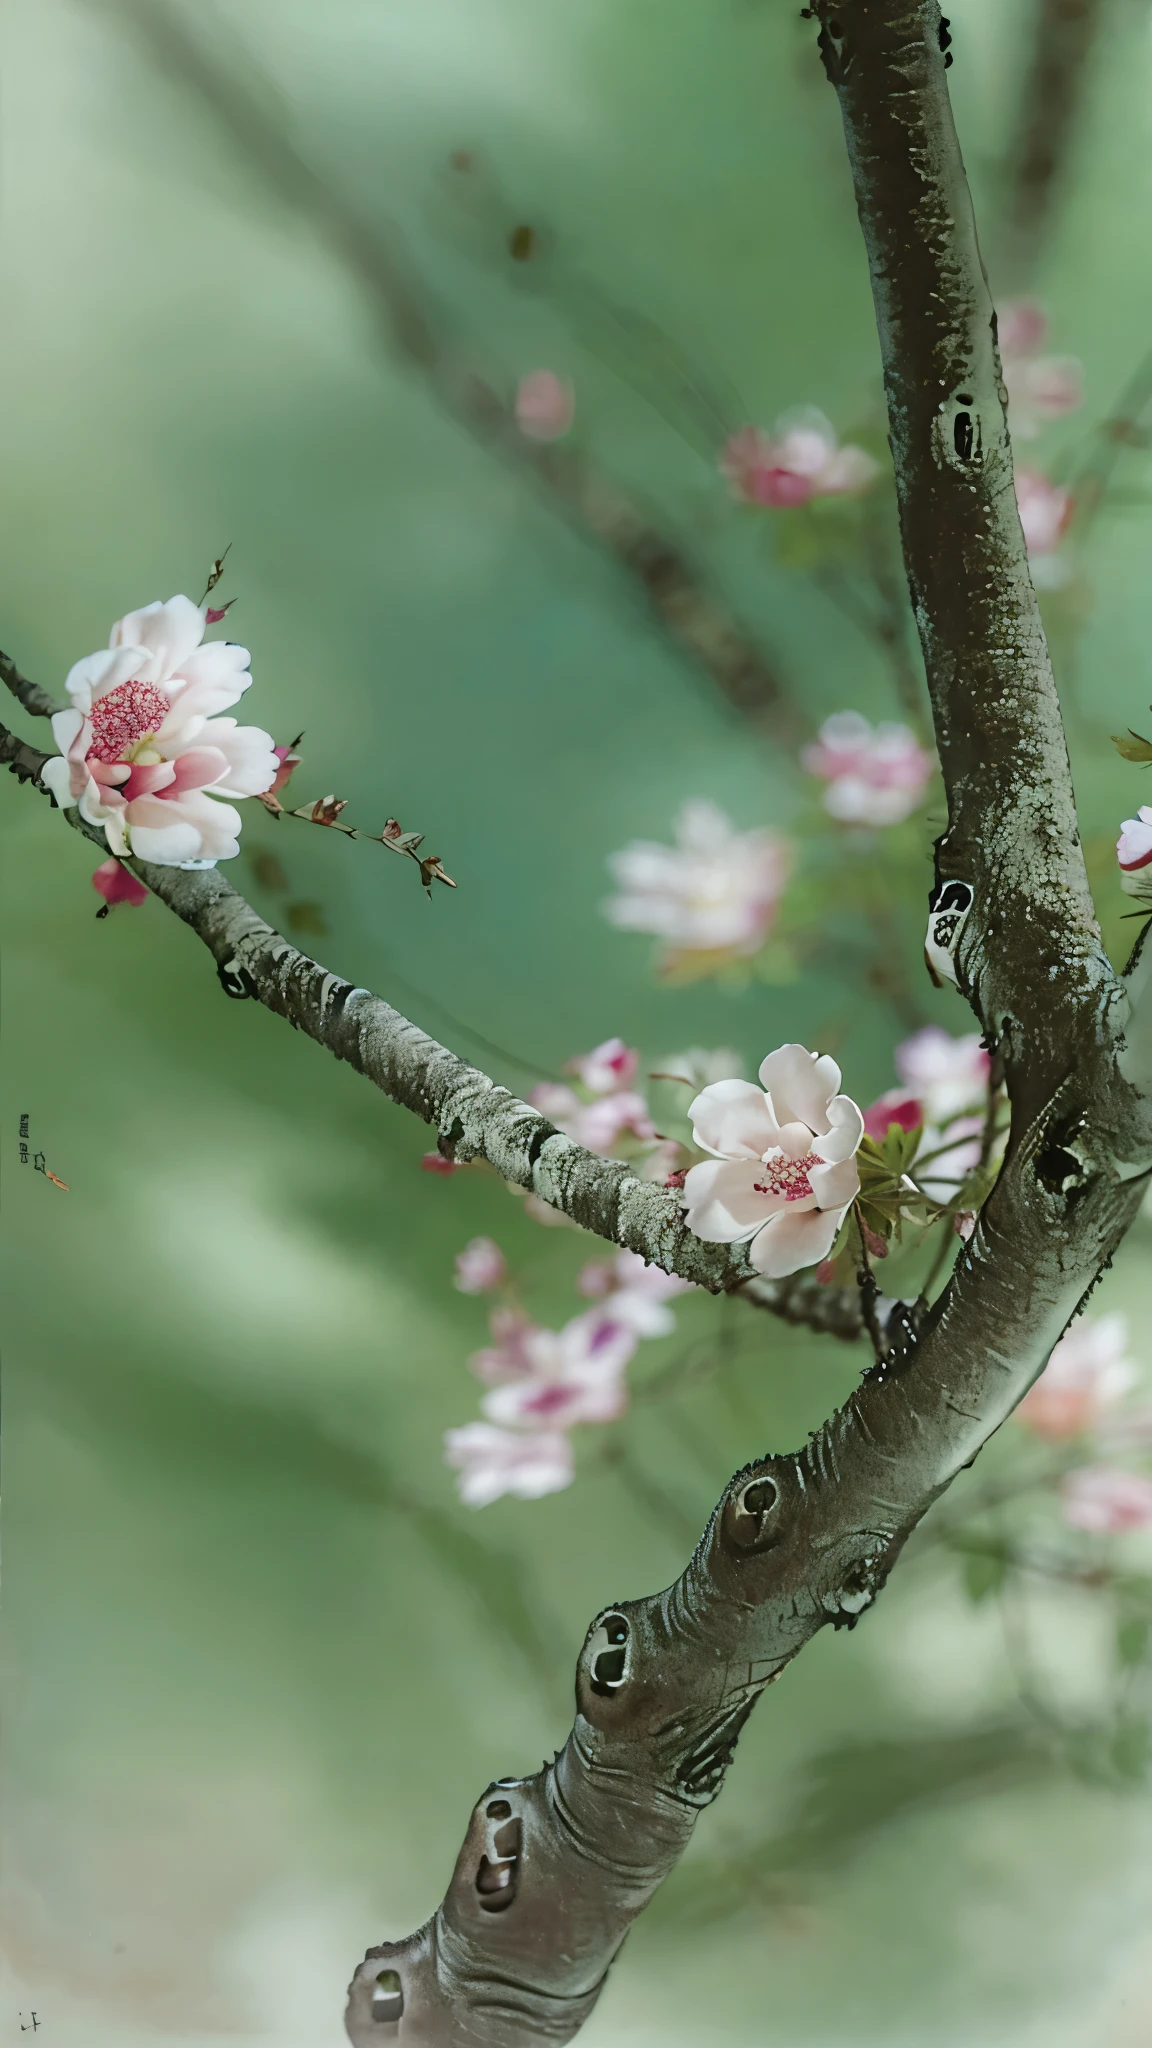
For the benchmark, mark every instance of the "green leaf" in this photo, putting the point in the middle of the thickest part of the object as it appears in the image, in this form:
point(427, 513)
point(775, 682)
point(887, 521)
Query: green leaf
point(1132, 1638)
point(1131, 746)
point(984, 1573)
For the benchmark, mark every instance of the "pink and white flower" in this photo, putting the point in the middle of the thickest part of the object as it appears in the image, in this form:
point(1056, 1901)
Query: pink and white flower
point(1045, 511)
point(716, 889)
point(616, 1111)
point(895, 1107)
point(544, 406)
point(875, 775)
point(577, 1375)
point(142, 751)
point(1134, 853)
point(1040, 388)
point(493, 1461)
point(607, 1067)
point(1088, 1373)
point(636, 1295)
point(784, 1174)
point(480, 1266)
point(1106, 1500)
point(800, 460)
point(947, 1074)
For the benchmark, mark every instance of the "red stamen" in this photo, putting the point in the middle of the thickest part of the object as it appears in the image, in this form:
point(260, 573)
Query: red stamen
point(124, 716)
point(789, 1177)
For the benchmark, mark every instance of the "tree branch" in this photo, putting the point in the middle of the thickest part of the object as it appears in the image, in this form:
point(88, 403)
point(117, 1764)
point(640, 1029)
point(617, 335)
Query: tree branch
point(31, 696)
point(475, 1118)
point(659, 564)
point(1055, 85)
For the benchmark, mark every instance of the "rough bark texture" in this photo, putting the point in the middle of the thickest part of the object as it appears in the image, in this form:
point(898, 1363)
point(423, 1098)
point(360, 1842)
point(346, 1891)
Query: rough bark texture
point(556, 1866)
point(658, 564)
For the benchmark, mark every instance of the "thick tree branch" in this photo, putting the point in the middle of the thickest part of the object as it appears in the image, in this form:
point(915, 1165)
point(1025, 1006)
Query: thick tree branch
point(474, 1118)
point(658, 563)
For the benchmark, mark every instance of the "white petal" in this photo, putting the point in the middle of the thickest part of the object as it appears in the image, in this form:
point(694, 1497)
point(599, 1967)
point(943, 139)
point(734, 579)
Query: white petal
point(847, 1129)
point(169, 632)
point(210, 680)
point(56, 775)
point(722, 1203)
point(801, 1084)
point(252, 764)
point(836, 1185)
point(734, 1120)
point(98, 673)
point(791, 1241)
point(168, 845)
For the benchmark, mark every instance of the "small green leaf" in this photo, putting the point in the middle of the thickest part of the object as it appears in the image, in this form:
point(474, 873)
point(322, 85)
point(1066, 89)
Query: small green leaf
point(1131, 746)
point(984, 1573)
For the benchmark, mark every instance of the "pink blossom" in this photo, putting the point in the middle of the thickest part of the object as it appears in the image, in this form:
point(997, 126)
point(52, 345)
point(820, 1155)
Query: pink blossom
point(511, 1355)
point(435, 1162)
point(947, 1074)
point(116, 884)
point(494, 1461)
point(607, 1067)
point(1106, 1500)
point(1045, 510)
point(599, 1125)
point(575, 1374)
point(1134, 853)
point(637, 1294)
point(800, 460)
point(1088, 1373)
point(480, 1266)
point(1040, 388)
point(716, 889)
point(896, 1107)
point(544, 406)
point(783, 1173)
point(141, 748)
point(876, 775)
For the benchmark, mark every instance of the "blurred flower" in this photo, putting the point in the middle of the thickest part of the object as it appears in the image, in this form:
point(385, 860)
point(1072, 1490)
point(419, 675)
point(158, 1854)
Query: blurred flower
point(700, 1065)
point(716, 888)
point(494, 1461)
point(435, 1162)
point(637, 1294)
point(801, 459)
point(140, 747)
point(1040, 388)
point(1045, 511)
point(510, 1356)
point(1134, 853)
point(950, 1153)
point(544, 406)
point(1129, 1430)
point(480, 1266)
point(577, 1374)
point(116, 884)
point(784, 1173)
point(896, 1107)
point(1088, 1372)
point(876, 775)
point(600, 1124)
point(1106, 1500)
point(947, 1074)
point(607, 1067)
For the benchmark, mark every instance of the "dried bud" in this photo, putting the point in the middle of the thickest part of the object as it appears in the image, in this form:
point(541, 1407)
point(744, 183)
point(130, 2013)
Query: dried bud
point(327, 809)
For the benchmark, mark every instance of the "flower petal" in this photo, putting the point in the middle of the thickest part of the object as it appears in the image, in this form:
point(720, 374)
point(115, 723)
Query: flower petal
point(801, 1084)
point(842, 1140)
point(790, 1241)
point(169, 632)
point(722, 1203)
point(734, 1120)
point(98, 673)
point(836, 1185)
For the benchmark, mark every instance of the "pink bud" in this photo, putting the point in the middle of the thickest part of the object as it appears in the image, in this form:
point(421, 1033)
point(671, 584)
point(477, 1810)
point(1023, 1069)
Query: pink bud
point(480, 1266)
point(116, 885)
point(213, 618)
point(896, 1107)
point(433, 1162)
point(544, 406)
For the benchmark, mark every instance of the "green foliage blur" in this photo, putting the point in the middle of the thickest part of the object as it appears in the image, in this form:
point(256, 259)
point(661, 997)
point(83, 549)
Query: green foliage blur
point(261, 1661)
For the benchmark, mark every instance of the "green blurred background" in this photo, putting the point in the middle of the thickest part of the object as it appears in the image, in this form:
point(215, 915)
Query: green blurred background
point(259, 1662)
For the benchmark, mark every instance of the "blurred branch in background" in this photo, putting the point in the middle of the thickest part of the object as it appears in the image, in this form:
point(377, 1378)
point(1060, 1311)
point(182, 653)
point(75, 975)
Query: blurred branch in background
point(659, 564)
point(1055, 87)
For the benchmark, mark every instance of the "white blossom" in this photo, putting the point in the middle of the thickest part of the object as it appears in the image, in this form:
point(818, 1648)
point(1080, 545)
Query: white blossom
point(716, 888)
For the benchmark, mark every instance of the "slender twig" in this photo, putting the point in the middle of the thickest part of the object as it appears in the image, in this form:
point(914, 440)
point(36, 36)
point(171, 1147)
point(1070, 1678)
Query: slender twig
point(30, 695)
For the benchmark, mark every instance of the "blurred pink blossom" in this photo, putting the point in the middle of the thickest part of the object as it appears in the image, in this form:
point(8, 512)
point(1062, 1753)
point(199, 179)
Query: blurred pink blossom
point(800, 460)
point(947, 1074)
point(544, 405)
point(637, 1295)
point(599, 1125)
point(1045, 510)
point(1088, 1372)
point(480, 1266)
point(494, 1461)
point(715, 889)
point(607, 1067)
point(896, 1107)
point(876, 775)
point(1040, 388)
point(1134, 853)
point(1106, 1500)
point(575, 1374)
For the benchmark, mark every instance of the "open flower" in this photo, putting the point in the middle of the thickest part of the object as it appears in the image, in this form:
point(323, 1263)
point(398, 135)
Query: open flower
point(494, 1461)
point(784, 1172)
point(1088, 1373)
point(480, 1266)
point(1134, 853)
point(1040, 388)
point(1045, 510)
point(1106, 1500)
point(577, 1375)
point(800, 460)
point(635, 1295)
point(617, 1110)
point(141, 746)
point(876, 775)
point(715, 889)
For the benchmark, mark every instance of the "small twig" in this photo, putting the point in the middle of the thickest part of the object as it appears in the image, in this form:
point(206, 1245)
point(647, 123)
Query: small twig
point(326, 811)
point(869, 1291)
point(31, 696)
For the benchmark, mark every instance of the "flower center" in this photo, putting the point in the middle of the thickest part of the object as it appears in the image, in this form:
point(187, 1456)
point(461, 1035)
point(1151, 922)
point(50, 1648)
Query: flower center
point(788, 1177)
point(130, 713)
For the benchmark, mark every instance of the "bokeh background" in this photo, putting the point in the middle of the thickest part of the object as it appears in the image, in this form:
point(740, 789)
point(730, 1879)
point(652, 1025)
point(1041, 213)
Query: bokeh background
point(260, 1662)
